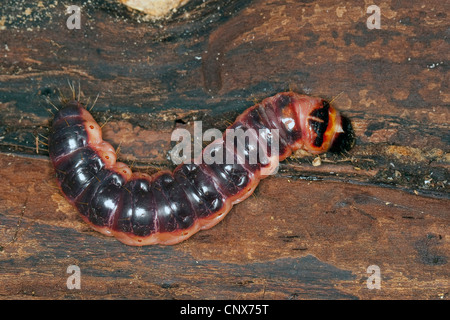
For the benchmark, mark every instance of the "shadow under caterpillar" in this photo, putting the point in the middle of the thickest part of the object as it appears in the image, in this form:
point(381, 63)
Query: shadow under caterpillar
point(169, 207)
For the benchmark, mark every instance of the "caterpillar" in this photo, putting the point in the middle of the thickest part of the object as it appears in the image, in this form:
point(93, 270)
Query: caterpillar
point(169, 207)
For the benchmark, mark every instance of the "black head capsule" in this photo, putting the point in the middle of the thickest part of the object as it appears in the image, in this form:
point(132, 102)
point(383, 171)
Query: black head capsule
point(319, 122)
point(344, 140)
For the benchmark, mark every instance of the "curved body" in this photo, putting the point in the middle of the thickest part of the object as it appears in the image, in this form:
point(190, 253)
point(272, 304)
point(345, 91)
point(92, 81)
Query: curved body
point(169, 207)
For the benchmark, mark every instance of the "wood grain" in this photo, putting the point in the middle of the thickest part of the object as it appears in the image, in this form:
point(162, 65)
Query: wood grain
point(310, 232)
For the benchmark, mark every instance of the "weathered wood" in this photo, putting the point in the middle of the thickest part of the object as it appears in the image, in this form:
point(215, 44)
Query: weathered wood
point(310, 231)
point(316, 243)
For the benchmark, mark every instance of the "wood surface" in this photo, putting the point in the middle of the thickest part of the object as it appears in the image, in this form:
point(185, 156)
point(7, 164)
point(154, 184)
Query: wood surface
point(310, 232)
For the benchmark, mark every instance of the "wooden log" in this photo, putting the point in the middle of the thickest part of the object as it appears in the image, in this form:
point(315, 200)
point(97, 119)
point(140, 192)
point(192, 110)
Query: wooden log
point(308, 232)
point(316, 243)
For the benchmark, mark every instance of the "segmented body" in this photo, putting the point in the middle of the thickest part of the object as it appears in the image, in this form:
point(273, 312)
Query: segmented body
point(169, 207)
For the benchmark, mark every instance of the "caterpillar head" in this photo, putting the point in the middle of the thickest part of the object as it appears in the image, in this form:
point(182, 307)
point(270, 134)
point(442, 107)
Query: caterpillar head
point(325, 129)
